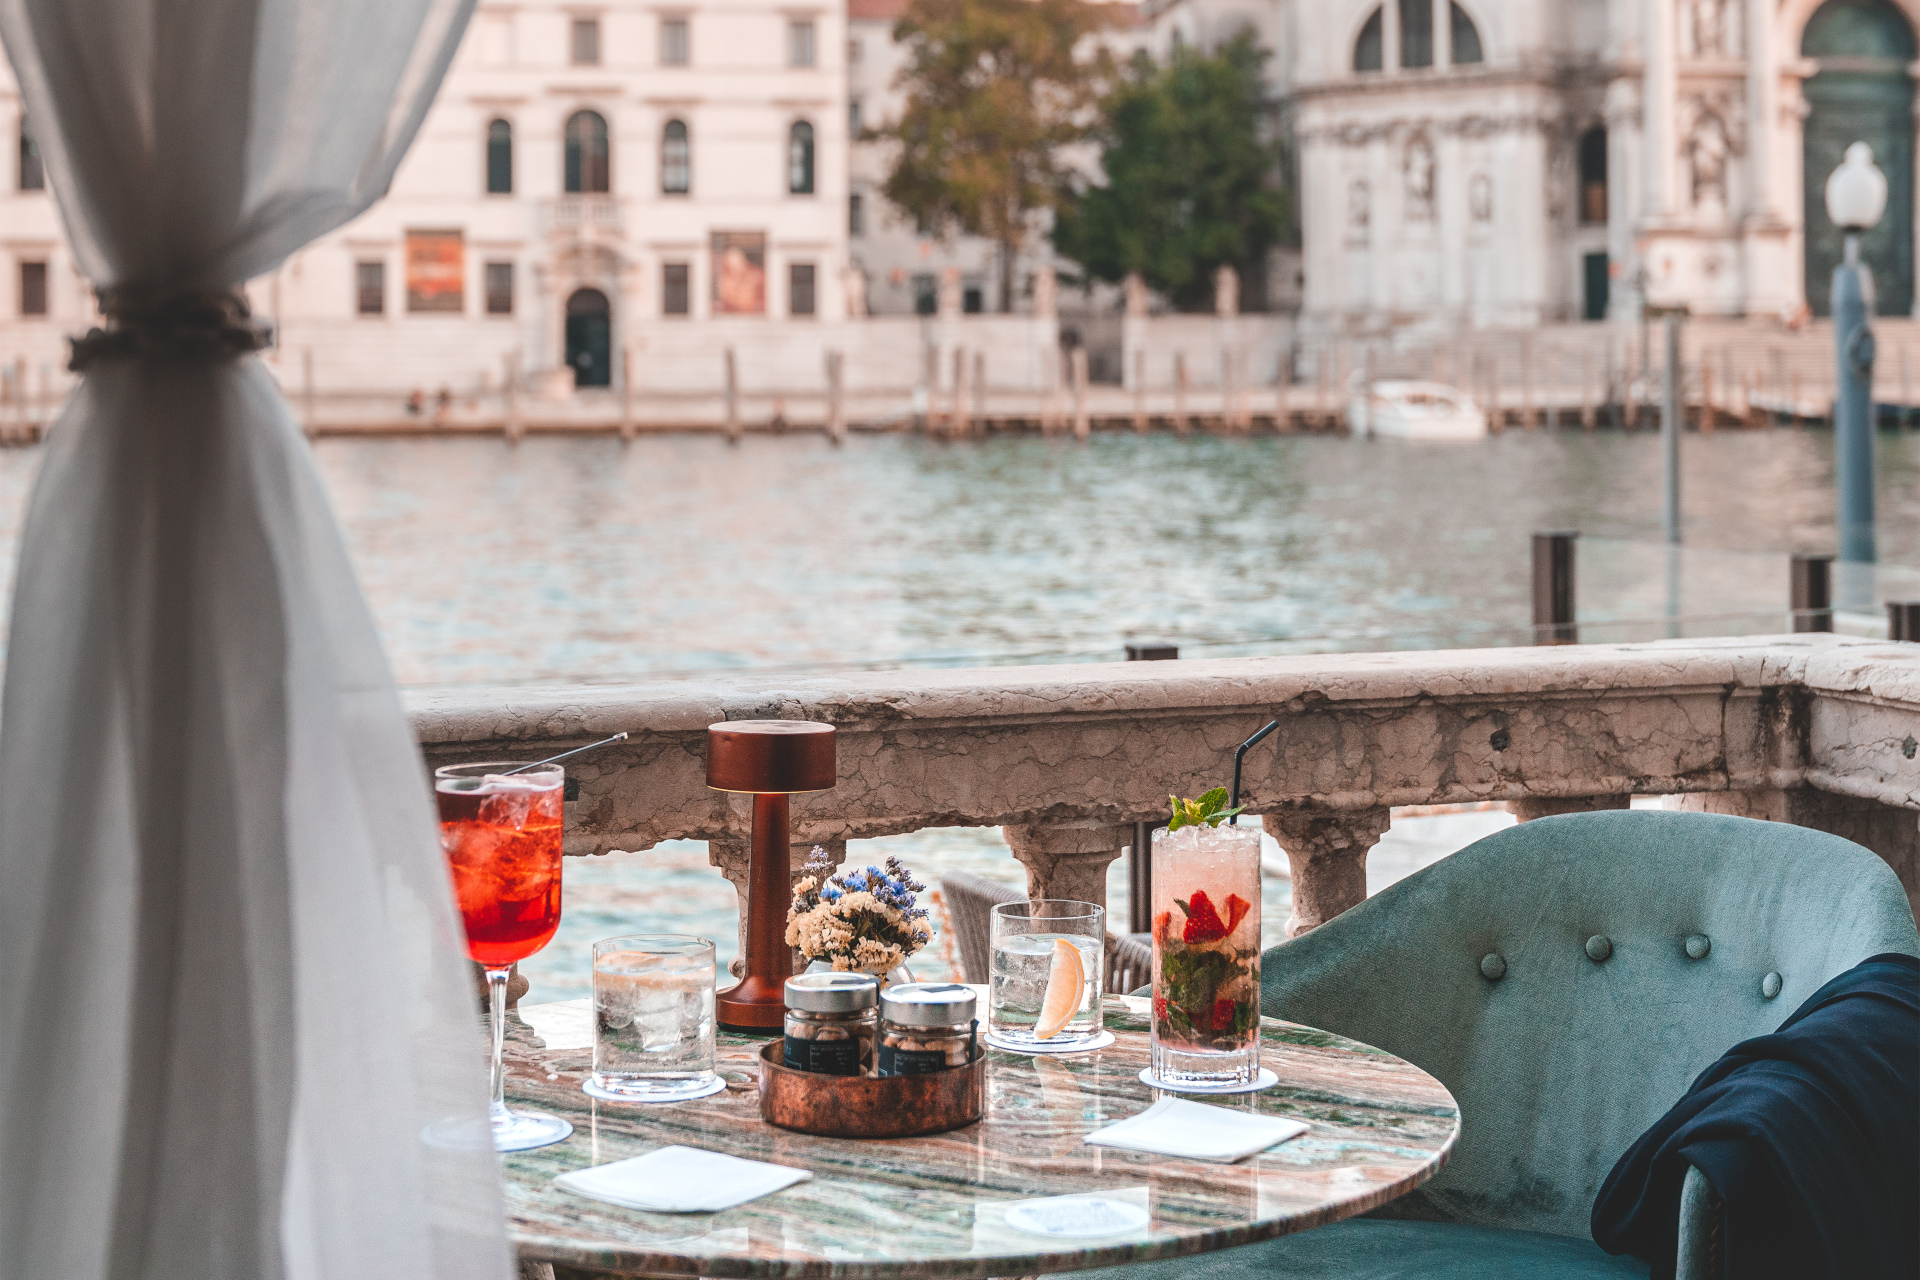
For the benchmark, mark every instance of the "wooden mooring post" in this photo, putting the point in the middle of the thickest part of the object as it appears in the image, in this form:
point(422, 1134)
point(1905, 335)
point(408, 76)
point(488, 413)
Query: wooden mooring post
point(1587, 414)
point(1140, 391)
point(1082, 423)
point(1553, 595)
point(1527, 422)
point(1180, 423)
point(960, 422)
point(626, 395)
point(510, 391)
point(733, 396)
point(1810, 592)
point(836, 397)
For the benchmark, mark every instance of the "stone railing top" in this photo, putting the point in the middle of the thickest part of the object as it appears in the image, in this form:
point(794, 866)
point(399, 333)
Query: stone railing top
point(1093, 744)
point(1880, 669)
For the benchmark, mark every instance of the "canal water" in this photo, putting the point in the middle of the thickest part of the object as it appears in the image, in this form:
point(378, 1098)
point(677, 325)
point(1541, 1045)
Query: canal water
point(579, 559)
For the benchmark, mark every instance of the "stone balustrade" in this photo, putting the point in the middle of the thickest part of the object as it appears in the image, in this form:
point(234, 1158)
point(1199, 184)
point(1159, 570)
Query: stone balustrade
point(1811, 729)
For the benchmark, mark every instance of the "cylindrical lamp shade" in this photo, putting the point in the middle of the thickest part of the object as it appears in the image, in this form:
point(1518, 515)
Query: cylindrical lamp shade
point(771, 756)
point(1856, 191)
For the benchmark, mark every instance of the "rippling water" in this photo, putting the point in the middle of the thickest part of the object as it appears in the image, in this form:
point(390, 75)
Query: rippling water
point(575, 558)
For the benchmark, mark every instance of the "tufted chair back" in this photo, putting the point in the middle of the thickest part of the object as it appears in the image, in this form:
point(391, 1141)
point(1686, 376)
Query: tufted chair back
point(1489, 970)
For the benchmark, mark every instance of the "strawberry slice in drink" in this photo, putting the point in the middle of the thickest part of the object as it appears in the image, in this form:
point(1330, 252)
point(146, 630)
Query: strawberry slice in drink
point(1237, 908)
point(1203, 922)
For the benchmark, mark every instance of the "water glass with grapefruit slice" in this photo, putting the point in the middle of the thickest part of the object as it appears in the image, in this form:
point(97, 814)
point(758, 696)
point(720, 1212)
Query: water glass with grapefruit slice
point(1045, 985)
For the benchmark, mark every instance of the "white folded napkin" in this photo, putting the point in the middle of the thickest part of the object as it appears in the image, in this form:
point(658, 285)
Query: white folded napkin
point(1176, 1127)
point(681, 1180)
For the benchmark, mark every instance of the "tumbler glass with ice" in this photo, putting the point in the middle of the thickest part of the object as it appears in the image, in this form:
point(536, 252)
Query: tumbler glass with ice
point(653, 1018)
point(1206, 955)
point(1046, 974)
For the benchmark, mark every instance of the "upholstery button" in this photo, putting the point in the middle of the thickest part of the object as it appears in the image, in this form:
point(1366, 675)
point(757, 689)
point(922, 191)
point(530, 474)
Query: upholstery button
point(1599, 947)
point(1770, 985)
point(1493, 966)
point(1697, 947)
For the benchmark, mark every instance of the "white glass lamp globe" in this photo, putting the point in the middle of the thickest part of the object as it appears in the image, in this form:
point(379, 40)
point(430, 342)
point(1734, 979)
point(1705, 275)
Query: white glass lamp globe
point(1857, 190)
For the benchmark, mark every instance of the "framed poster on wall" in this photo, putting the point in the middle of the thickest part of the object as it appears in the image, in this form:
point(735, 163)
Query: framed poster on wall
point(740, 273)
point(436, 271)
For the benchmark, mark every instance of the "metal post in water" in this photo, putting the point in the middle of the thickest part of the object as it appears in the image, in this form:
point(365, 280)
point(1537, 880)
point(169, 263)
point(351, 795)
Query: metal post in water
point(1553, 596)
point(1903, 622)
point(1810, 591)
point(1140, 852)
point(1853, 406)
point(1670, 436)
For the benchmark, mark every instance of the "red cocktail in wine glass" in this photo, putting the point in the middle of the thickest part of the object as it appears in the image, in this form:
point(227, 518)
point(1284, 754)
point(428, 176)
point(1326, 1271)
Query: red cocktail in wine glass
point(500, 827)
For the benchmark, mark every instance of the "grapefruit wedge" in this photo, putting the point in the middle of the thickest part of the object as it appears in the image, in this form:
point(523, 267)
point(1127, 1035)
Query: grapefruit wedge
point(1066, 983)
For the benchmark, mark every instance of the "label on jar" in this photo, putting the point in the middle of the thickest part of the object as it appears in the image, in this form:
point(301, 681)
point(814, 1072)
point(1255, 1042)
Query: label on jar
point(825, 1057)
point(890, 1061)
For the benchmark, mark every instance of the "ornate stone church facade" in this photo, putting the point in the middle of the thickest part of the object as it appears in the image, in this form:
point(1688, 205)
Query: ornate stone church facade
point(1513, 162)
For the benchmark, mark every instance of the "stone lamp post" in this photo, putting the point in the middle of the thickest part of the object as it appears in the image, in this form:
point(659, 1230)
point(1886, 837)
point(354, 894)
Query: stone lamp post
point(1856, 197)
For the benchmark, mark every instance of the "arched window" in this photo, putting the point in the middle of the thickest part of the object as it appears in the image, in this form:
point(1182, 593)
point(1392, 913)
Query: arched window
point(1593, 176)
point(499, 158)
point(33, 177)
point(676, 159)
point(588, 169)
point(1416, 33)
point(800, 158)
point(1370, 49)
point(1466, 36)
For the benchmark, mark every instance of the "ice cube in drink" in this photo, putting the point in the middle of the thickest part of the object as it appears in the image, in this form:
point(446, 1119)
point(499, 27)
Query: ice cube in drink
point(501, 834)
point(653, 1017)
point(1206, 954)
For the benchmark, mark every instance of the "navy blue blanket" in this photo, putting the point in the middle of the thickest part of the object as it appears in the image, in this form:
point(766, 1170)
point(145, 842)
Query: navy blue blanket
point(1811, 1137)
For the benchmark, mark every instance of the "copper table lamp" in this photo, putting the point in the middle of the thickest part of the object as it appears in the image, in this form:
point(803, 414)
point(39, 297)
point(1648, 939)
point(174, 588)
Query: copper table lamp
point(769, 760)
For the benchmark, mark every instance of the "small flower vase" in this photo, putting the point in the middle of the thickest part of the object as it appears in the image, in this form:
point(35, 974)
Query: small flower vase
point(899, 974)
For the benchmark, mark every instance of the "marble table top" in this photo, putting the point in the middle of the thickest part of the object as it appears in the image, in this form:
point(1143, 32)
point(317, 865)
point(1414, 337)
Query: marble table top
point(934, 1206)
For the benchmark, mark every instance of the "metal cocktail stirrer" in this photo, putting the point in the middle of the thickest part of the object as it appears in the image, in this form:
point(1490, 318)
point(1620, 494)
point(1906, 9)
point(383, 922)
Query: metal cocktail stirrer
point(620, 736)
point(1234, 801)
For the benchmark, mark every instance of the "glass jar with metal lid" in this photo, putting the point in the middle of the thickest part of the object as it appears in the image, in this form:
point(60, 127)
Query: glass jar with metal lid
point(830, 1022)
point(925, 1027)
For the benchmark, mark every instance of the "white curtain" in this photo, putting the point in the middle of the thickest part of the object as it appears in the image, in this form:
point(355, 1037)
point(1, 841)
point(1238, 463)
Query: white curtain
point(232, 993)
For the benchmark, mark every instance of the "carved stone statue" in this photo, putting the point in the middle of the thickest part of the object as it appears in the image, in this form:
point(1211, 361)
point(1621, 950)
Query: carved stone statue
point(1706, 149)
point(1135, 291)
point(1709, 20)
point(853, 281)
point(1226, 291)
point(1359, 205)
point(1420, 168)
point(1480, 198)
point(949, 291)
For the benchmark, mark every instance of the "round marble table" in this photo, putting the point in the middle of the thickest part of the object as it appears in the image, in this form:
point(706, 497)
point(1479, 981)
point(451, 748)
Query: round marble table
point(934, 1206)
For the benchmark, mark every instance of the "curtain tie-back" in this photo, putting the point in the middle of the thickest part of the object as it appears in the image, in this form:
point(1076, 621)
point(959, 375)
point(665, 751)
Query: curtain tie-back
point(175, 326)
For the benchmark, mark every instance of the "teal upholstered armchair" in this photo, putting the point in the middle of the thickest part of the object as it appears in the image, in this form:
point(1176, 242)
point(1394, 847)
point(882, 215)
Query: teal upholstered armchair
point(1567, 979)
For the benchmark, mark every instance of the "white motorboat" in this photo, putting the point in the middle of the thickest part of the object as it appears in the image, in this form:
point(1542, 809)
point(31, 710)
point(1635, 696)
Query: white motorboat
point(1414, 411)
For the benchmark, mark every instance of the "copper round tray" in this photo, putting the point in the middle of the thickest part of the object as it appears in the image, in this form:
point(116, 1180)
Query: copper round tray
point(870, 1106)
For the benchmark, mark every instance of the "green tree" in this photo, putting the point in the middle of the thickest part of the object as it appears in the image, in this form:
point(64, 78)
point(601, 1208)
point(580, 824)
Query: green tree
point(996, 91)
point(1192, 177)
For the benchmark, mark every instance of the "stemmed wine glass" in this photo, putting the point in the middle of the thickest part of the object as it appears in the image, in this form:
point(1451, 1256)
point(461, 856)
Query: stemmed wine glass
point(500, 827)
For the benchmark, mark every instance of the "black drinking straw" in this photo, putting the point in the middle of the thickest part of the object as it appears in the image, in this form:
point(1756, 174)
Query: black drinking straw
point(1234, 802)
point(623, 733)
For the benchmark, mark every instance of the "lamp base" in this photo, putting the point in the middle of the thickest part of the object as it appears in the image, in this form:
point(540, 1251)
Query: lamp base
point(752, 1004)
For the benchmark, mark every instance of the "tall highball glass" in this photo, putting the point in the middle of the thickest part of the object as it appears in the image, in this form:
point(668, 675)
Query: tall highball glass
point(500, 827)
point(1206, 955)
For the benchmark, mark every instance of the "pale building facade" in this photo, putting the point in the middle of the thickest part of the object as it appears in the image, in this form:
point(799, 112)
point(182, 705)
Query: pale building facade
point(1511, 162)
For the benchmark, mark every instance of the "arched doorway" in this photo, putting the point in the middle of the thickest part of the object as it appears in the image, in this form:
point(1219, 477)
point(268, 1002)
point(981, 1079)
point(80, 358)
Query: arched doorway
point(590, 338)
point(1862, 93)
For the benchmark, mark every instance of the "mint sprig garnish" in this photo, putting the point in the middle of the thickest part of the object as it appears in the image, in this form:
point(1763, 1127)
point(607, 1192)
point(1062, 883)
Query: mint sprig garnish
point(1210, 809)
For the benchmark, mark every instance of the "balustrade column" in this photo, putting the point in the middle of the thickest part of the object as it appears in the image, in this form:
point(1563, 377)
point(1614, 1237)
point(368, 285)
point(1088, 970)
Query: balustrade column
point(1890, 831)
point(1067, 861)
point(1527, 808)
point(730, 854)
point(1327, 851)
